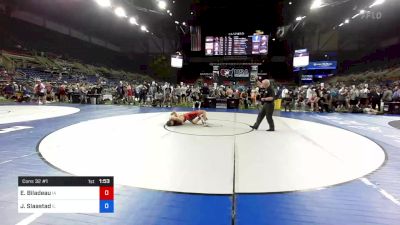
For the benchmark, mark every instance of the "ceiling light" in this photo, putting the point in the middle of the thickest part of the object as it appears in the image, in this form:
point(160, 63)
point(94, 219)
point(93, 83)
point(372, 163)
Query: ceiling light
point(120, 12)
point(104, 3)
point(133, 21)
point(316, 4)
point(377, 2)
point(162, 5)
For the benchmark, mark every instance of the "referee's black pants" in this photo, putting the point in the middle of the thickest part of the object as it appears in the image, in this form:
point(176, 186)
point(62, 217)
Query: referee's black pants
point(267, 110)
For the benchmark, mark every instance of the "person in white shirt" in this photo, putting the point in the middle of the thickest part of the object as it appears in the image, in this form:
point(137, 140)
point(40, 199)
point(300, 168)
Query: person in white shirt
point(40, 92)
point(364, 96)
point(285, 91)
point(183, 94)
point(354, 95)
point(309, 93)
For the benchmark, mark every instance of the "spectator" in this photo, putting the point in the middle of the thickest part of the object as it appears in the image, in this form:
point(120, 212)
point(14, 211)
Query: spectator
point(40, 92)
point(387, 95)
point(205, 91)
point(375, 99)
point(287, 98)
point(354, 96)
point(167, 95)
point(129, 94)
point(396, 94)
point(364, 96)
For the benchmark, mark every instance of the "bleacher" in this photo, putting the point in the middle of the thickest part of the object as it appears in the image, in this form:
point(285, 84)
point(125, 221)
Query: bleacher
point(382, 76)
point(36, 74)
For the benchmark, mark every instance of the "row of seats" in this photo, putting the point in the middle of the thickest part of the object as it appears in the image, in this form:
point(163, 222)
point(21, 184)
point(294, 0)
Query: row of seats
point(46, 76)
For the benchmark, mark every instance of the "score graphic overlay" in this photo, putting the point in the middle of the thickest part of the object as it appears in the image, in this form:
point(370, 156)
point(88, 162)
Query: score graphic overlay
point(65, 194)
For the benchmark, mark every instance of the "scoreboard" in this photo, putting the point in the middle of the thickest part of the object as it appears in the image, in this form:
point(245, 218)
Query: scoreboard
point(238, 44)
point(65, 194)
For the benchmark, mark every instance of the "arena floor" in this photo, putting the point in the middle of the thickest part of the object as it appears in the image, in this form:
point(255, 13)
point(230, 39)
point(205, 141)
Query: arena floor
point(315, 169)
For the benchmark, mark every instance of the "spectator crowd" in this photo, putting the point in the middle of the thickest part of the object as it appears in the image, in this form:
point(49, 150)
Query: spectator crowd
point(323, 97)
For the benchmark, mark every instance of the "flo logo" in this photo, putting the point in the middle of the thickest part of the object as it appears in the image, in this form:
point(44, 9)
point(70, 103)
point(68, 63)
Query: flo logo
point(234, 73)
point(226, 73)
point(371, 15)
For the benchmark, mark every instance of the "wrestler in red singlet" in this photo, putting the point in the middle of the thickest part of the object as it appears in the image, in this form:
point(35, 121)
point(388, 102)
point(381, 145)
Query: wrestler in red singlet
point(130, 92)
point(192, 115)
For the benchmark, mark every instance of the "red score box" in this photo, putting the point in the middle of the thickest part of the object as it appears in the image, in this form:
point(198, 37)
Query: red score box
point(106, 193)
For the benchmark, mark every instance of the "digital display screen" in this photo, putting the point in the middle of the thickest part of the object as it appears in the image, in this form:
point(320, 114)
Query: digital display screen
point(176, 61)
point(320, 65)
point(301, 58)
point(236, 45)
point(307, 77)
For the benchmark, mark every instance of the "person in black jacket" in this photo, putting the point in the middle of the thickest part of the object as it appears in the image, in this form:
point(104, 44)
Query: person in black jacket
point(375, 99)
point(205, 91)
point(267, 98)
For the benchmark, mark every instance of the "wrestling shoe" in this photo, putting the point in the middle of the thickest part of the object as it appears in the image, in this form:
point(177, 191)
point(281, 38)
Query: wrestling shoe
point(253, 127)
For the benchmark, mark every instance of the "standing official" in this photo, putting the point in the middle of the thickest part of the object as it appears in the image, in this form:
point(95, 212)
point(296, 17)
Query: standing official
point(267, 98)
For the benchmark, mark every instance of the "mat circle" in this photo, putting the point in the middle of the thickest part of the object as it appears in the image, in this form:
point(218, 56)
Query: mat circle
point(219, 128)
point(395, 124)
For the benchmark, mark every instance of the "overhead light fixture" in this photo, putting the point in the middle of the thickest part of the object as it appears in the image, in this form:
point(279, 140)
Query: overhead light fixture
point(362, 12)
point(133, 21)
point(299, 18)
point(347, 21)
point(104, 3)
point(290, 3)
point(176, 22)
point(143, 28)
point(191, 12)
point(120, 12)
point(183, 23)
point(341, 24)
point(162, 5)
point(316, 4)
point(377, 2)
point(170, 13)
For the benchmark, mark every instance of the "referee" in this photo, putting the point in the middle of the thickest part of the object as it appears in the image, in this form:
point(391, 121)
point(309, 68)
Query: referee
point(267, 98)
